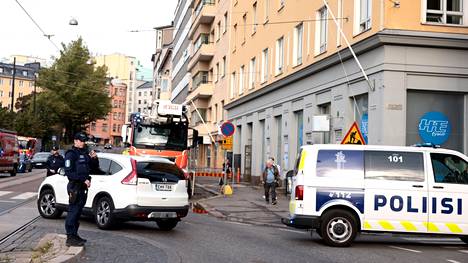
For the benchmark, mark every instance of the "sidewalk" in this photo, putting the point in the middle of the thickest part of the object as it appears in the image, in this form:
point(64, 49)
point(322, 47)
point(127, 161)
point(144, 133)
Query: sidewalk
point(245, 205)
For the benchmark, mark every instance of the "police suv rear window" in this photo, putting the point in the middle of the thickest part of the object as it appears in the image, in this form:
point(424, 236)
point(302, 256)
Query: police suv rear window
point(398, 166)
point(339, 163)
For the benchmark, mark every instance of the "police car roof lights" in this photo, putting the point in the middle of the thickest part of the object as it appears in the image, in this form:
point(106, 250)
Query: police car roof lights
point(426, 144)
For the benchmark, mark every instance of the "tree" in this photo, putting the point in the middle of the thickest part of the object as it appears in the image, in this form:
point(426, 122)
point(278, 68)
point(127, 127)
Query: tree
point(7, 118)
point(74, 89)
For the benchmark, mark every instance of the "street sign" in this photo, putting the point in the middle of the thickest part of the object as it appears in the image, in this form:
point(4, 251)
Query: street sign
point(227, 129)
point(354, 136)
point(227, 143)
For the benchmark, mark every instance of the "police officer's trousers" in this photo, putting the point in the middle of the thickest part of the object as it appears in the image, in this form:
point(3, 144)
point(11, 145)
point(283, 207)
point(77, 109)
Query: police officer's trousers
point(74, 212)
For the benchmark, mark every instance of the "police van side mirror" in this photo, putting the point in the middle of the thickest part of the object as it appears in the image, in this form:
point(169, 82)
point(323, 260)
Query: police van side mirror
point(61, 171)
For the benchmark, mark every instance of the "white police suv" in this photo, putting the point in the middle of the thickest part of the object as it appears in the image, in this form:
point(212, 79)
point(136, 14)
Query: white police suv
point(126, 188)
point(341, 190)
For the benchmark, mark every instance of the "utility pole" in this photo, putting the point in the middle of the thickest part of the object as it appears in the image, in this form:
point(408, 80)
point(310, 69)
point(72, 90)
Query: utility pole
point(13, 85)
point(34, 102)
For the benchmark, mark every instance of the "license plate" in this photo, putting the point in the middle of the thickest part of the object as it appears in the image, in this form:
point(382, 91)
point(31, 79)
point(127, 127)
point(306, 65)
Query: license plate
point(163, 187)
point(162, 215)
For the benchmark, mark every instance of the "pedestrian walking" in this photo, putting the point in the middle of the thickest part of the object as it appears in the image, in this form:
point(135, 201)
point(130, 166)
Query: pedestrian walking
point(78, 164)
point(270, 179)
point(54, 162)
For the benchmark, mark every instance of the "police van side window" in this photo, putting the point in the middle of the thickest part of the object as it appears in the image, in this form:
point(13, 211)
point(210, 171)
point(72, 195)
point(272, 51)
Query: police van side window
point(449, 169)
point(396, 166)
point(339, 163)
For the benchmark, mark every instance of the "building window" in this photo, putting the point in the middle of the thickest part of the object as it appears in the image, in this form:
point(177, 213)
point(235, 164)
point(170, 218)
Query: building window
point(114, 128)
point(279, 55)
point(298, 40)
point(1, 93)
point(1, 81)
point(235, 37)
point(9, 94)
point(218, 73)
point(265, 65)
point(93, 126)
point(25, 73)
point(199, 79)
point(233, 84)
point(252, 73)
point(244, 20)
point(21, 83)
point(164, 85)
point(145, 93)
point(20, 94)
point(340, 23)
point(225, 22)
point(1, 70)
point(254, 17)
point(139, 94)
point(139, 109)
point(321, 31)
point(445, 11)
point(267, 9)
point(139, 101)
point(224, 66)
point(215, 115)
point(218, 28)
point(364, 14)
point(104, 127)
point(241, 79)
point(222, 110)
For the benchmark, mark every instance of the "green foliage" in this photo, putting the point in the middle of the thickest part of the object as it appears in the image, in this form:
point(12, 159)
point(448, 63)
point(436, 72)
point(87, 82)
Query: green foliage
point(74, 90)
point(7, 118)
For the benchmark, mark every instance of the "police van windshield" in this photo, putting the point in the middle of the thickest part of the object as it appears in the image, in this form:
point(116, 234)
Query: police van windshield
point(161, 137)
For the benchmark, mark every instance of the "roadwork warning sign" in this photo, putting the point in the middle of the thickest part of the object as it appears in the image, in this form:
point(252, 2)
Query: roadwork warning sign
point(354, 136)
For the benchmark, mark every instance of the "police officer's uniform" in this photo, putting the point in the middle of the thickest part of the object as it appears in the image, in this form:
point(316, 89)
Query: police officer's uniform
point(78, 165)
point(54, 162)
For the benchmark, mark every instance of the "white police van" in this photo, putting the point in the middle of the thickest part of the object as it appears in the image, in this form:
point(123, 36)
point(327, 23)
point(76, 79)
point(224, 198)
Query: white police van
point(341, 190)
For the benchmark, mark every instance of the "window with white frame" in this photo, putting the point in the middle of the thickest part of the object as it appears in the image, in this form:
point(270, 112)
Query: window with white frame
point(279, 55)
point(254, 17)
point(298, 42)
point(219, 30)
point(252, 73)
point(225, 22)
point(244, 20)
point(321, 28)
point(340, 22)
point(267, 9)
point(217, 74)
point(265, 64)
point(241, 79)
point(21, 83)
point(224, 66)
point(233, 84)
point(363, 16)
point(445, 11)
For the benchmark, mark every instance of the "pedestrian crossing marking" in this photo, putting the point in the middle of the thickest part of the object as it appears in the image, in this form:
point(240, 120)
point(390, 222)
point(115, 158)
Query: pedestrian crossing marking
point(24, 196)
point(2, 193)
point(463, 251)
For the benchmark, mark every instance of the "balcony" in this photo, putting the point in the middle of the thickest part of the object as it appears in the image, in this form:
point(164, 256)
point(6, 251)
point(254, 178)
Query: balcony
point(201, 88)
point(204, 53)
point(204, 13)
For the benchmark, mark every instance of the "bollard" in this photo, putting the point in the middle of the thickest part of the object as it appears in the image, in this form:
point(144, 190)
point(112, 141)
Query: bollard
point(238, 175)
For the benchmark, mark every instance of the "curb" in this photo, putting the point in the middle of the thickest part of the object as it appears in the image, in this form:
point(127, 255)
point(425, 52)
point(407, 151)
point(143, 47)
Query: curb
point(208, 190)
point(65, 254)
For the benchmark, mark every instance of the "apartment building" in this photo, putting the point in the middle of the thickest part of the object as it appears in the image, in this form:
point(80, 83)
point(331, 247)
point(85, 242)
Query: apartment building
point(293, 80)
point(209, 34)
point(180, 77)
point(25, 78)
point(109, 130)
point(162, 63)
point(124, 68)
point(143, 96)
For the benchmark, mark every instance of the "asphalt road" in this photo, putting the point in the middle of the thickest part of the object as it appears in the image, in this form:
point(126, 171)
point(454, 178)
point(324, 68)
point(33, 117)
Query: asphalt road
point(203, 238)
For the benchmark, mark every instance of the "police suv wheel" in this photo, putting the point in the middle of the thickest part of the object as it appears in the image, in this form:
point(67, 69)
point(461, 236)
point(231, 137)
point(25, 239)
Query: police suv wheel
point(464, 239)
point(46, 205)
point(338, 228)
point(167, 224)
point(103, 213)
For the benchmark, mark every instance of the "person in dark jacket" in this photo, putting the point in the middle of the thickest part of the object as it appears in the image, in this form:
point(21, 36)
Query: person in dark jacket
point(79, 162)
point(270, 180)
point(54, 162)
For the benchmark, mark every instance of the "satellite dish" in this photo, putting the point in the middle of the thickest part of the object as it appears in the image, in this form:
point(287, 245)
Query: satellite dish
point(73, 22)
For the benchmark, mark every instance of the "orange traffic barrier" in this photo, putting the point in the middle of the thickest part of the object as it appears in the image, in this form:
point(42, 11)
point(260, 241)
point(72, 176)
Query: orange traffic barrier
point(208, 174)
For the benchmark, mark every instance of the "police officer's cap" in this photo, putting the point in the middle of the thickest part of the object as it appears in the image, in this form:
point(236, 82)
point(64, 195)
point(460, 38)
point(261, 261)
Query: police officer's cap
point(81, 136)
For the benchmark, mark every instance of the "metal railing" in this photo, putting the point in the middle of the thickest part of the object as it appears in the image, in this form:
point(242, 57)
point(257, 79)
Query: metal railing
point(200, 6)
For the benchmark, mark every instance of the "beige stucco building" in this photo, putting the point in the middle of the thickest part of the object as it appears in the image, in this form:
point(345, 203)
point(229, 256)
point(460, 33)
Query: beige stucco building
point(285, 71)
point(209, 67)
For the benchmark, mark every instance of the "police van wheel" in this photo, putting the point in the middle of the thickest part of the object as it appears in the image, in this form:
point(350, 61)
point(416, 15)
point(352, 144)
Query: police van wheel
point(46, 205)
point(103, 213)
point(14, 171)
point(338, 228)
point(464, 239)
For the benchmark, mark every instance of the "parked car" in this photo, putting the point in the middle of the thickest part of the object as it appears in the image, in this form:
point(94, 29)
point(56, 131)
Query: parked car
point(8, 152)
point(25, 164)
point(108, 146)
point(125, 188)
point(39, 159)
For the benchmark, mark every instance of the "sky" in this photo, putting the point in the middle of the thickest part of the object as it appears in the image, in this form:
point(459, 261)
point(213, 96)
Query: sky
point(103, 24)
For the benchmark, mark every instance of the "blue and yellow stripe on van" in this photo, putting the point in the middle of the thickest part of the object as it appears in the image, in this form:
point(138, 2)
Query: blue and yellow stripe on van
point(408, 226)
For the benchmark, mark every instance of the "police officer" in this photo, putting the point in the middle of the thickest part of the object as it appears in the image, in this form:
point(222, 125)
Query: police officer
point(54, 162)
point(78, 164)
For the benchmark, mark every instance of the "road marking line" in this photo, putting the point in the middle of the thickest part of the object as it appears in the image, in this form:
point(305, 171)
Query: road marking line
point(463, 251)
point(6, 201)
point(293, 231)
point(2, 193)
point(453, 261)
point(406, 249)
point(238, 223)
point(24, 196)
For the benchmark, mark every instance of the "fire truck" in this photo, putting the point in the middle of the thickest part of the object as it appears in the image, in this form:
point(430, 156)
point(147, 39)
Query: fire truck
point(27, 145)
point(161, 131)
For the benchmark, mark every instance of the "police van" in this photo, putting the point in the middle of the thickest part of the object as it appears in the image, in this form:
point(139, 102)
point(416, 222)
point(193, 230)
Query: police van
point(341, 190)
